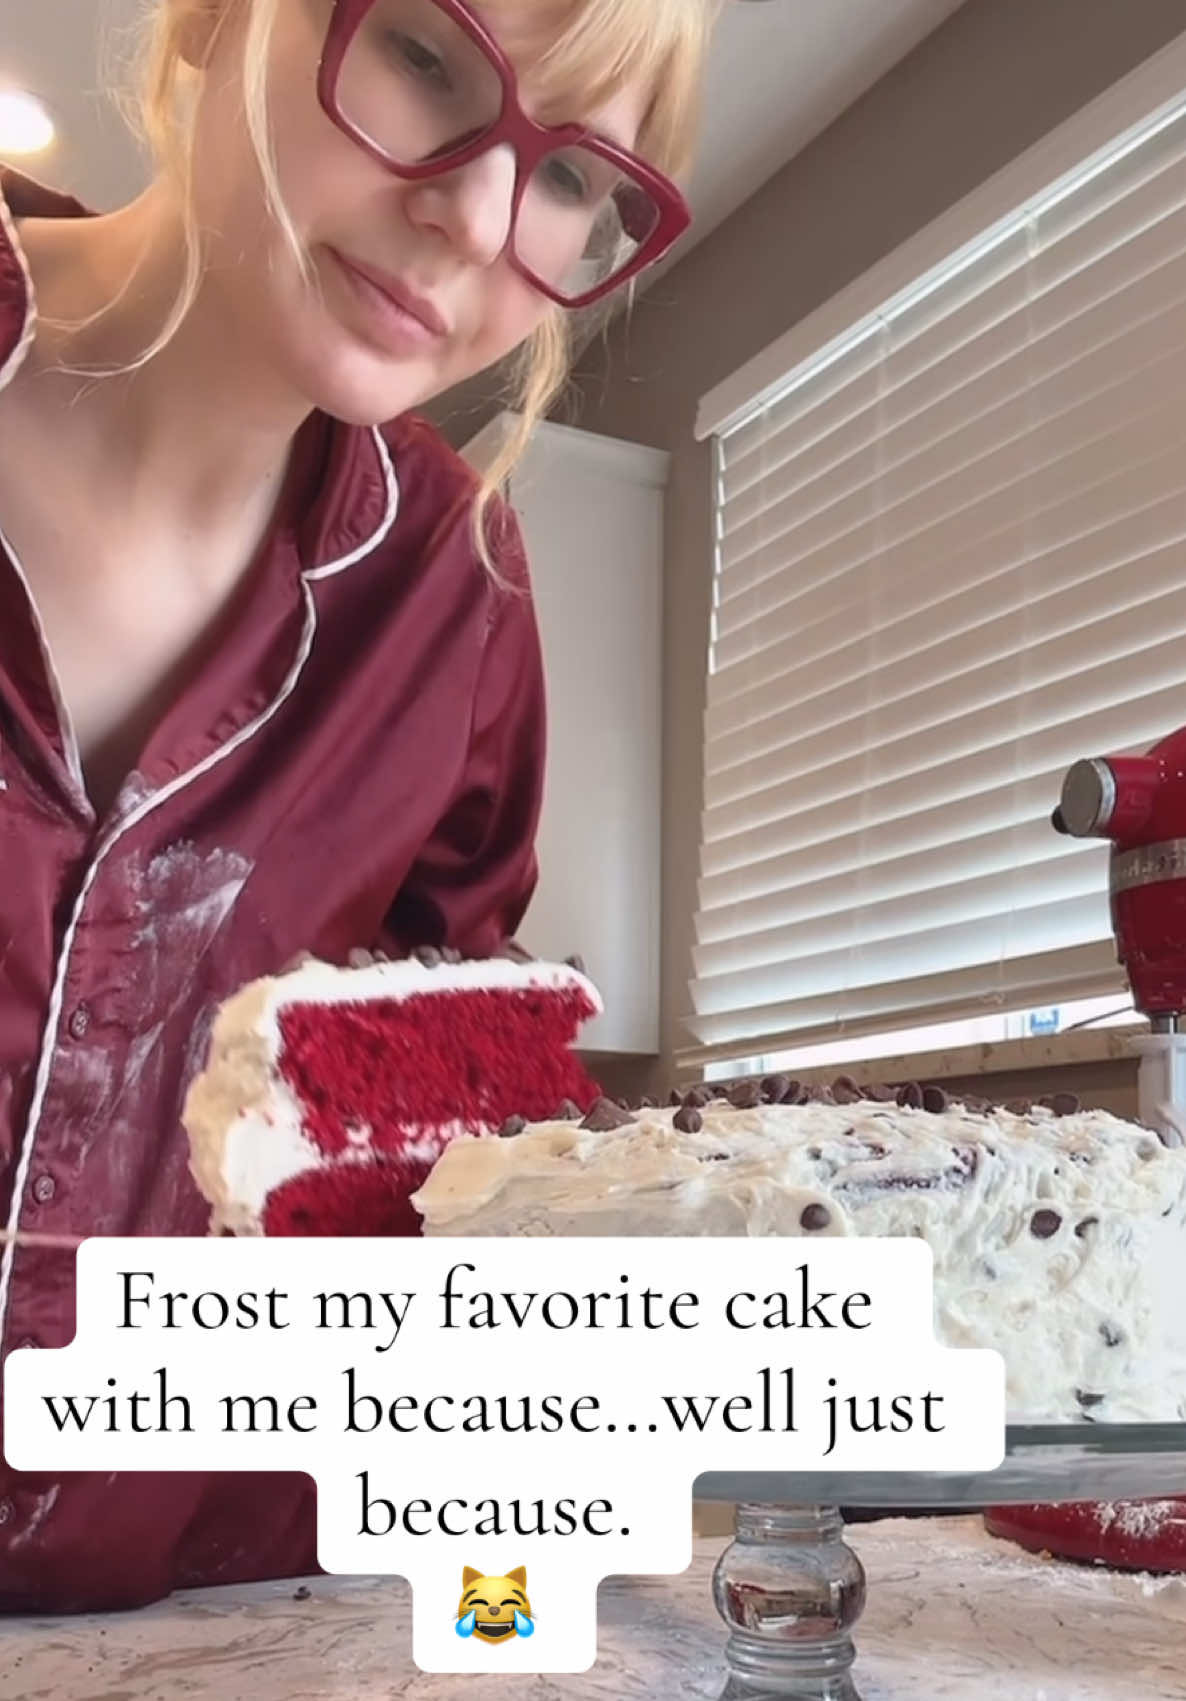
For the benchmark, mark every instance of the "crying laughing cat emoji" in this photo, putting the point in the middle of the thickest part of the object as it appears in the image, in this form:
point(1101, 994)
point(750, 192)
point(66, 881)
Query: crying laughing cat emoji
point(494, 1609)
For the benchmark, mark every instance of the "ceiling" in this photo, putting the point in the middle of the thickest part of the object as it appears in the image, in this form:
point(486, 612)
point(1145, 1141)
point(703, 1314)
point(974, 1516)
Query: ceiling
point(782, 71)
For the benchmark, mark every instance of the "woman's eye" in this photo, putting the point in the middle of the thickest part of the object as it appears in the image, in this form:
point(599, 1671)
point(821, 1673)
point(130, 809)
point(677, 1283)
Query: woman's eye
point(420, 58)
point(566, 181)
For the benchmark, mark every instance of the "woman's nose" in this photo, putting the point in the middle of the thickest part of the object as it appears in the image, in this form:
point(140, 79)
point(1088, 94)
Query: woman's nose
point(472, 205)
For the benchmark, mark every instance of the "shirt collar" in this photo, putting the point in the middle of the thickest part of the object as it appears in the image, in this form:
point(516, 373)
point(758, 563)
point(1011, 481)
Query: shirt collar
point(341, 496)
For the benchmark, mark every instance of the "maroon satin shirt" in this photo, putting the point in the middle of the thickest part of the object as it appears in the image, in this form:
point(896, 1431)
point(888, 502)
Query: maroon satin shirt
point(356, 760)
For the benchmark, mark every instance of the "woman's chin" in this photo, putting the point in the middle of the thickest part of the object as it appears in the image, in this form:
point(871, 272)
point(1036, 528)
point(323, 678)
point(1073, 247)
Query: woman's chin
point(355, 401)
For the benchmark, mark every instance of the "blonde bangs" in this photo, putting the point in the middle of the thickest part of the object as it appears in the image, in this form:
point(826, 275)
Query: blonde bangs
point(599, 47)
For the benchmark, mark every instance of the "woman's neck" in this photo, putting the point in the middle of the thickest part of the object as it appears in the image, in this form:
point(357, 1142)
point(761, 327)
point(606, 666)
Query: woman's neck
point(195, 437)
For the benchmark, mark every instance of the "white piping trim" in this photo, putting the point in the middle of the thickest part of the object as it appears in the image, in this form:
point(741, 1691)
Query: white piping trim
point(392, 485)
point(65, 722)
point(29, 330)
point(120, 827)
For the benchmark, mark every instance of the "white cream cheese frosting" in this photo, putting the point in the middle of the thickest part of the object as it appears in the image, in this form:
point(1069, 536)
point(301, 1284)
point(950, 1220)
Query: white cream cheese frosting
point(1059, 1241)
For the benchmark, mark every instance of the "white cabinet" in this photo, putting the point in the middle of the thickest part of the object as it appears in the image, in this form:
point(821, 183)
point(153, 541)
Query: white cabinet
point(591, 510)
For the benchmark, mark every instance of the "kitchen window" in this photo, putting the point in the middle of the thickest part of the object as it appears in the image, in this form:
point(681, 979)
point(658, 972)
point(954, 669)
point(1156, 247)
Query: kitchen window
point(950, 559)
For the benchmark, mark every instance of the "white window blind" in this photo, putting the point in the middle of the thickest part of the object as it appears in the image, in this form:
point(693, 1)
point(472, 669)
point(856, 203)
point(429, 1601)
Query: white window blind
point(951, 559)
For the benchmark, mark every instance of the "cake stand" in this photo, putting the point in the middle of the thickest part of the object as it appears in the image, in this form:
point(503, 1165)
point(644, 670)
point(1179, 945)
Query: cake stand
point(791, 1590)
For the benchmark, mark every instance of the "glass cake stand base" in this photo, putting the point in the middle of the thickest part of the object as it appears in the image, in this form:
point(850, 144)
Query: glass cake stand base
point(791, 1590)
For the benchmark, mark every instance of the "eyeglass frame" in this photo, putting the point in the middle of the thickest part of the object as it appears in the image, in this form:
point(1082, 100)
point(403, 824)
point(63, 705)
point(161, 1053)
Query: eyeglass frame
point(530, 142)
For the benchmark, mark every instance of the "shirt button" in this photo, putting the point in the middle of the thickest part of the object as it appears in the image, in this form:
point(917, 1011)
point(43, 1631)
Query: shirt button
point(44, 1189)
point(80, 1021)
point(7, 1511)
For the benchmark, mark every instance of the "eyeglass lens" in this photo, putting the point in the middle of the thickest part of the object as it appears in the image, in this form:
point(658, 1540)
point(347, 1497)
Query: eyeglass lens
point(420, 88)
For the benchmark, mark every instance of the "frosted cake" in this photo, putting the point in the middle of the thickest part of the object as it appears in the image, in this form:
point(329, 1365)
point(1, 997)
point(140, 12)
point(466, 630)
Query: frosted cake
point(1059, 1235)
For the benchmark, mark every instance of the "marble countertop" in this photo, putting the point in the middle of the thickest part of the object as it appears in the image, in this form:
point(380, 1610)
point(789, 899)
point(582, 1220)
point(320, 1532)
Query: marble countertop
point(953, 1616)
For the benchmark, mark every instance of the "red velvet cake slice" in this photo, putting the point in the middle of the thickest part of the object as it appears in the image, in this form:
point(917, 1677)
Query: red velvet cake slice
point(329, 1093)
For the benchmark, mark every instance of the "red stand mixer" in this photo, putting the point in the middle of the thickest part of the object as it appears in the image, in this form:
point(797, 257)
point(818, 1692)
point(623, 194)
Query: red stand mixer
point(1139, 803)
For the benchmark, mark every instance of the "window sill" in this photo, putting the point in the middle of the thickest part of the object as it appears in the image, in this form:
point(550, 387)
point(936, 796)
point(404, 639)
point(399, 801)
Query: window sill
point(1000, 1057)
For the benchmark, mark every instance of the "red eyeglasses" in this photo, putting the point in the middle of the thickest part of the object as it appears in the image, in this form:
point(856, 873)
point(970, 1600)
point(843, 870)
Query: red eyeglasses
point(424, 89)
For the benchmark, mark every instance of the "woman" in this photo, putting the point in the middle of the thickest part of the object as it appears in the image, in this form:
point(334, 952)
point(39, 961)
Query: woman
point(269, 674)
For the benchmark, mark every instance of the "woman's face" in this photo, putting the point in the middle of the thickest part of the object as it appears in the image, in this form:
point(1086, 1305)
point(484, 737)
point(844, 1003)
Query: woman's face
point(337, 341)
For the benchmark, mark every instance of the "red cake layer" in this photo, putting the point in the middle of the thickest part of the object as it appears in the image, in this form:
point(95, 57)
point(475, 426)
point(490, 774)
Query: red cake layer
point(1128, 1535)
point(399, 1066)
point(371, 1198)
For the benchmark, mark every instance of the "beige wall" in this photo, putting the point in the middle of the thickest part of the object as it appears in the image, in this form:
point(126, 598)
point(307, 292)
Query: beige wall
point(989, 83)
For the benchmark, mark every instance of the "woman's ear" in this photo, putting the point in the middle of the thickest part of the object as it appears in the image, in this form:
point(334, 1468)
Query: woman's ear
point(198, 23)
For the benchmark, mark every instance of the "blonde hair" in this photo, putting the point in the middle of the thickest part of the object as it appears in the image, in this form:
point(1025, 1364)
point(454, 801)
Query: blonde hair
point(597, 48)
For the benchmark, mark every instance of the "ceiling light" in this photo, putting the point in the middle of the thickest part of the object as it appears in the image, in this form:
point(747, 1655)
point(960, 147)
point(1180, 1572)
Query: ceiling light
point(25, 125)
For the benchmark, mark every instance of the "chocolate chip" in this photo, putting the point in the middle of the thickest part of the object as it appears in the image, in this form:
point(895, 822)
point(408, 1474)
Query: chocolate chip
point(795, 1093)
point(1112, 1335)
point(511, 951)
point(845, 1090)
point(675, 1096)
point(814, 1217)
point(512, 1125)
point(429, 956)
point(451, 954)
point(1019, 1107)
point(1082, 1228)
point(1044, 1224)
point(977, 1106)
point(303, 1593)
point(648, 1103)
point(1062, 1104)
point(1087, 1401)
point(935, 1100)
point(746, 1095)
point(881, 1094)
point(605, 1116)
point(567, 1112)
point(774, 1086)
point(688, 1119)
point(699, 1096)
point(577, 963)
point(910, 1096)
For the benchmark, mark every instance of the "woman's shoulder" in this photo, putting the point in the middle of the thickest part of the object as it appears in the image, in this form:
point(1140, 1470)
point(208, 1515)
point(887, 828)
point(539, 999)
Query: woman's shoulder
point(21, 198)
point(417, 445)
point(441, 488)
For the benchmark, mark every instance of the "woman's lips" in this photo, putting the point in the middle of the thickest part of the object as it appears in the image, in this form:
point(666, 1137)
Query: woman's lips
point(403, 319)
